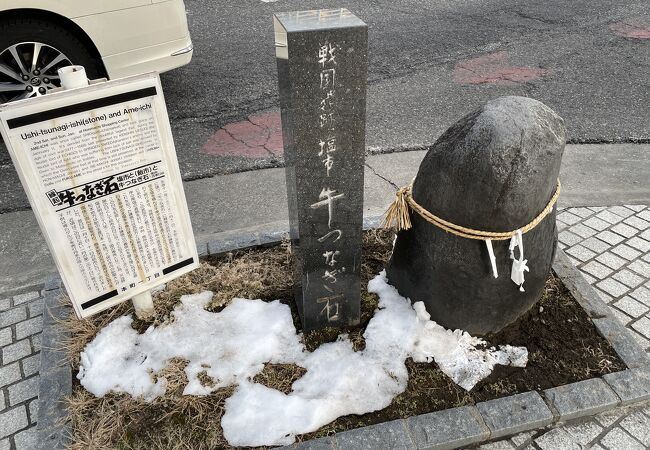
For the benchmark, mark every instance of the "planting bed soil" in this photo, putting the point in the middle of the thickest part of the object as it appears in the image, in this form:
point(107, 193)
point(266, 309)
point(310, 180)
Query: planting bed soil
point(563, 346)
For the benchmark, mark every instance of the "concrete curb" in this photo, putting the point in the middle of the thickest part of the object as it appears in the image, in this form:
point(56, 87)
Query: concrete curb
point(446, 429)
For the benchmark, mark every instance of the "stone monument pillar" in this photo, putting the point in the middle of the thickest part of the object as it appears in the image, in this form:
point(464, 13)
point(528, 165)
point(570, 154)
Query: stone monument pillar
point(322, 70)
point(494, 170)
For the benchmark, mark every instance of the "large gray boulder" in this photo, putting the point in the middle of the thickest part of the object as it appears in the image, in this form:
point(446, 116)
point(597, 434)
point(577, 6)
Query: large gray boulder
point(493, 170)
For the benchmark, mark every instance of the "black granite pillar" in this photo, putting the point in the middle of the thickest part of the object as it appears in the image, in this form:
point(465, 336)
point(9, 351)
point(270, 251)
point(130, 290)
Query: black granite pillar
point(322, 70)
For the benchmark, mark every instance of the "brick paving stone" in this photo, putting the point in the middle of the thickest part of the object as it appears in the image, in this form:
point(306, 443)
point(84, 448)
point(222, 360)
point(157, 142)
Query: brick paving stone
point(612, 287)
point(13, 316)
point(611, 260)
point(624, 230)
point(582, 212)
point(596, 223)
point(583, 231)
point(29, 327)
point(521, 438)
point(597, 208)
point(621, 211)
point(640, 267)
point(641, 294)
point(595, 245)
point(610, 238)
point(16, 351)
point(635, 208)
point(23, 391)
point(608, 418)
point(645, 235)
point(568, 238)
point(5, 444)
point(581, 253)
point(36, 342)
point(646, 258)
point(499, 445)
point(626, 252)
point(596, 269)
point(23, 298)
point(642, 326)
point(609, 217)
point(5, 304)
point(568, 218)
point(584, 433)
point(5, 336)
point(555, 439)
point(32, 407)
point(31, 364)
point(9, 374)
point(631, 307)
point(617, 439)
point(637, 223)
point(12, 420)
point(645, 214)
point(640, 244)
point(638, 425)
point(35, 308)
point(628, 278)
point(3, 402)
point(26, 440)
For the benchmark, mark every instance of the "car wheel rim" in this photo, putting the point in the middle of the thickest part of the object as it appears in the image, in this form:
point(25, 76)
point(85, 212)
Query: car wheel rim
point(29, 69)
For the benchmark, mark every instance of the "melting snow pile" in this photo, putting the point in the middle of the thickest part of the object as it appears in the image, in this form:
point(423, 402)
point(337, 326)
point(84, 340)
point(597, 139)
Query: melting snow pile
point(233, 345)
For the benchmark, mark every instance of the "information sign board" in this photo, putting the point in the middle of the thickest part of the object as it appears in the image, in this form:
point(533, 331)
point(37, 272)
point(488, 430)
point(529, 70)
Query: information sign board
point(99, 167)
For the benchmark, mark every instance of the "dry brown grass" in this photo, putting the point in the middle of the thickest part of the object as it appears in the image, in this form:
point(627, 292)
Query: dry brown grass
point(279, 376)
point(118, 421)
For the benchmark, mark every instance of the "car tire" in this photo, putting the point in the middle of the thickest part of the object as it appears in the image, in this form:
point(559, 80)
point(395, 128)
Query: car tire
point(20, 38)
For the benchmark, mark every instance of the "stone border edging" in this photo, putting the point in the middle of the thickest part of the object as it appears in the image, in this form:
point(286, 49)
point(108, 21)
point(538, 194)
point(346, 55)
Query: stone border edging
point(55, 372)
point(446, 429)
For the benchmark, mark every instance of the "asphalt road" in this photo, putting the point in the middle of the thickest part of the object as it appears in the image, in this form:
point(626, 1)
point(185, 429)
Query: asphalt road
point(431, 62)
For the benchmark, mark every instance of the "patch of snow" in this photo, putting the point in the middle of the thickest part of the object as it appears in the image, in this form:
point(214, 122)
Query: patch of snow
point(340, 381)
point(236, 342)
point(230, 346)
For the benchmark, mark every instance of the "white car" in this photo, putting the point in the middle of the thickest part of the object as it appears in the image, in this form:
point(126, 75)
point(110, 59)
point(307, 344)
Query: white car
point(110, 38)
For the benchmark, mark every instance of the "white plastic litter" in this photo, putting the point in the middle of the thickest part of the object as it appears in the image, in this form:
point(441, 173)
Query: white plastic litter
point(235, 343)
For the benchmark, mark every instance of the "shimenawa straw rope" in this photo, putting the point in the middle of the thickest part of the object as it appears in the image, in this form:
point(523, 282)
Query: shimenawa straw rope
point(398, 213)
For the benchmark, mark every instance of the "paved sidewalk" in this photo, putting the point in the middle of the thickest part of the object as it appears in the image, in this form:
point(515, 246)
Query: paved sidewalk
point(21, 324)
